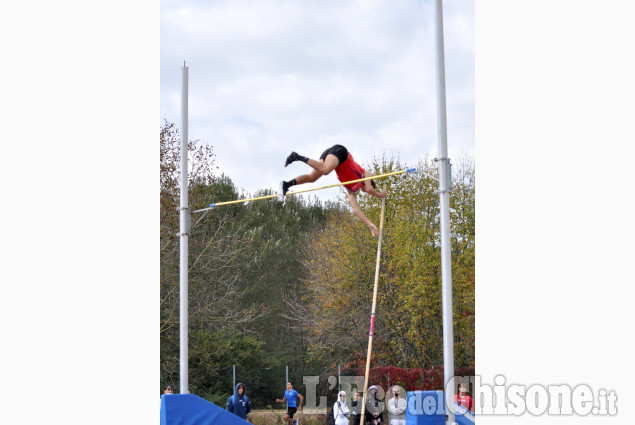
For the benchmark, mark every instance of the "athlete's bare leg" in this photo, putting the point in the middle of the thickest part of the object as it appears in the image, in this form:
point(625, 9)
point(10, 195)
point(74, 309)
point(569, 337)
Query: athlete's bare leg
point(326, 165)
point(308, 178)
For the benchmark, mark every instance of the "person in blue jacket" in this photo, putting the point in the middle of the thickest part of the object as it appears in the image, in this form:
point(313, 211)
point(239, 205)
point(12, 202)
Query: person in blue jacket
point(239, 404)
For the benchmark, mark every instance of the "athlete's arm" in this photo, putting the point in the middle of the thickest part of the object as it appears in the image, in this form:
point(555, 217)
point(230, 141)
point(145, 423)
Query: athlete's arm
point(368, 188)
point(352, 199)
point(301, 401)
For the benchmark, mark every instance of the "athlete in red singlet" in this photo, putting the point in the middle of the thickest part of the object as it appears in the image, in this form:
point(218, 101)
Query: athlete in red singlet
point(339, 159)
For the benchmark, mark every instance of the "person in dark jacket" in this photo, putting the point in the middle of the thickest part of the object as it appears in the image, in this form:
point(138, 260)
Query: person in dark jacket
point(239, 404)
point(374, 408)
point(356, 408)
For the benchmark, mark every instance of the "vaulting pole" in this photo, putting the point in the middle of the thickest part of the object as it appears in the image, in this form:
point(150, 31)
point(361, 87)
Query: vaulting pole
point(372, 313)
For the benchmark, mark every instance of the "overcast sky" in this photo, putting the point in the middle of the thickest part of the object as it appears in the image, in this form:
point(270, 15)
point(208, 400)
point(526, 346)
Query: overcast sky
point(270, 76)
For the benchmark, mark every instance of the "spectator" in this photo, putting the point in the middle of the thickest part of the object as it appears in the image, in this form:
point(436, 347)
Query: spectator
point(340, 409)
point(397, 407)
point(356, 408)
point(239, 404)
point(168, 389)
point(463, 399)
point(374, 409)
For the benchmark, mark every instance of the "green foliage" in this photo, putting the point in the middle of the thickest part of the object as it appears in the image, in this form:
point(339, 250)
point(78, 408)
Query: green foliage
point(211, 358)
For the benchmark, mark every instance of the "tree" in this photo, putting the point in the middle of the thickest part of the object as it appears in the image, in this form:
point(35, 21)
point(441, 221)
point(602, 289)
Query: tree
point(217, 242)
point(462, 215)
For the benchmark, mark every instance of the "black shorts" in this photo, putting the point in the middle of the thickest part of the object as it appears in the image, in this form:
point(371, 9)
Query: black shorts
point(338, 150)
point(291, 411)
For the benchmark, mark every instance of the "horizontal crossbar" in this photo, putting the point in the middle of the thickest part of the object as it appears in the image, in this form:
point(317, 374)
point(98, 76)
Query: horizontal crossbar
point(259, 198)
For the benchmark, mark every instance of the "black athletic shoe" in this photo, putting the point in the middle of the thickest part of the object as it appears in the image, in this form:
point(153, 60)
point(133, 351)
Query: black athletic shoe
point(283, 188)
point(291, 158)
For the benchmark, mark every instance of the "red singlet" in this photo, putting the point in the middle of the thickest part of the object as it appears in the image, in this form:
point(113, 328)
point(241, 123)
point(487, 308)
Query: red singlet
point(350, 170)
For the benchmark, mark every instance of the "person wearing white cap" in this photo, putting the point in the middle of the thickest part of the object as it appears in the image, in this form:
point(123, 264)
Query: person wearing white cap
point(340, 409)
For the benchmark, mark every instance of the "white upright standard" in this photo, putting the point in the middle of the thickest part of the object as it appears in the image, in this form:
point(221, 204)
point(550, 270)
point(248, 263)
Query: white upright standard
point(184, 233)
point(444, 203)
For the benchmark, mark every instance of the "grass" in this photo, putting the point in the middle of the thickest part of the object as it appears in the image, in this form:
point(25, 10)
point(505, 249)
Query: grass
point(274, 417)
